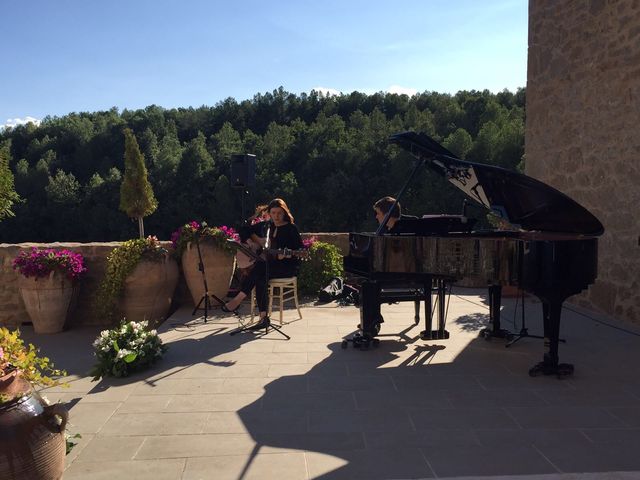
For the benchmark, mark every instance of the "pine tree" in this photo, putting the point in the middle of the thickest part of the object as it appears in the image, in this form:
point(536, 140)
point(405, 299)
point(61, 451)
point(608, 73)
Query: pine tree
point(8, 195)
point(136, 195)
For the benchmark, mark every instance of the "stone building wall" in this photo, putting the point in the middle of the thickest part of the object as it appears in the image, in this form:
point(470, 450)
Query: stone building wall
point(583, 129)
point(13, 313)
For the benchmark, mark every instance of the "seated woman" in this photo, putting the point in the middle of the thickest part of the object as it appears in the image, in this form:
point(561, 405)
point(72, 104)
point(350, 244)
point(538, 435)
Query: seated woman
point(283, 233)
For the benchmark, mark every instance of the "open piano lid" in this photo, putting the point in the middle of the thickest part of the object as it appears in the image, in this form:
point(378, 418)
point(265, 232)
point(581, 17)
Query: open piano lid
point(522, 201)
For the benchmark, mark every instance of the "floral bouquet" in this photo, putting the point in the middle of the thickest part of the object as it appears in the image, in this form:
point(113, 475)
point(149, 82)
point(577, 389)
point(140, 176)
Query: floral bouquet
point(193, 230)
point(121, 262)
point(39, 263)
point(125, 349)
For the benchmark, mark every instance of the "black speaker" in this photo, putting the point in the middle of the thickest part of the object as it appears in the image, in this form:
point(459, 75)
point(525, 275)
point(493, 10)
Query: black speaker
point(243, 170)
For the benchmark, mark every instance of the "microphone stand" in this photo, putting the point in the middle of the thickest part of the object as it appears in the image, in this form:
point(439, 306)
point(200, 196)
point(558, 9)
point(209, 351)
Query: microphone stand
point(205, 298)
point(265, 321)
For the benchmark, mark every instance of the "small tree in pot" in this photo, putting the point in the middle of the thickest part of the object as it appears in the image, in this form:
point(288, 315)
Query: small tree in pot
point(136, 195)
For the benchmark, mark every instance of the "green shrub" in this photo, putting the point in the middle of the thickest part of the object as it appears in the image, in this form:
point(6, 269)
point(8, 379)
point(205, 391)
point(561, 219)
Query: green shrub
point(325, 262)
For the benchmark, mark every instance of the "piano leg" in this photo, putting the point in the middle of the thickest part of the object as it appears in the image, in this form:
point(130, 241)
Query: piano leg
point(495, 299)
point(428, 333)
point(370, 317)
point(551, 312)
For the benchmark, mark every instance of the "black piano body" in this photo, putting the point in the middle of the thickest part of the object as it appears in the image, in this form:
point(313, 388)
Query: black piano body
point(552, 254)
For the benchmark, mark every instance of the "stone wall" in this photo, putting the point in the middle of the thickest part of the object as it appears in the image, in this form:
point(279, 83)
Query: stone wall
point(583, 132)
point(13, 313)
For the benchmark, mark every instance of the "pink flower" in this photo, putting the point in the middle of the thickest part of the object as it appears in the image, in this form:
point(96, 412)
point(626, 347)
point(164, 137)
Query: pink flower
point(40, 262)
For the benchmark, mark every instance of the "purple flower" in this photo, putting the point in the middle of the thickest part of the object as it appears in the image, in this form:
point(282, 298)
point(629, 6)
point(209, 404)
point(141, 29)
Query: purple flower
point(39, 263)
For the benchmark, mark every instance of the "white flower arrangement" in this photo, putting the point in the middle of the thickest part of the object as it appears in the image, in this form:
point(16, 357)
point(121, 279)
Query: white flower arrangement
point(124, 349)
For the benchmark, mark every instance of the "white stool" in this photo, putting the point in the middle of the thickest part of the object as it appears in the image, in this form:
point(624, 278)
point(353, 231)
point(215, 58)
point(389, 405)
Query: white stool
point(282, 290)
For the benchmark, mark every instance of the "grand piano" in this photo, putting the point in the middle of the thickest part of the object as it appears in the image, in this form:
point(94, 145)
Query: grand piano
point(550, 251)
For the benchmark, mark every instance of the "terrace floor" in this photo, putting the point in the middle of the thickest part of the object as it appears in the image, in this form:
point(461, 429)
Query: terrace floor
point(261, 407)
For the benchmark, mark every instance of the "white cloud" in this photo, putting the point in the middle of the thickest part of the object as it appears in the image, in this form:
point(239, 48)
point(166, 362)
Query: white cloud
point(14, 122)
point(326, 91)
point(402, 90)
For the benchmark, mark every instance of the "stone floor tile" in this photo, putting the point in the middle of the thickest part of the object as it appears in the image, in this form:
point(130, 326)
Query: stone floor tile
point(214, 402)
point(170, 386)
point(109, 393)
point(424, 439)
point(201, 445)
point(167, 423)
point(395, 420)
point(146, 403)
point(374, 383)
point(281, 466)
point(138, 469)
point(483, 461)
point(258, 421)
point(311, 401)
point(564, 417)
point(630, 436)
point(507, 397)
point(369, 400)
point(111, 449)
point(448, 418)
point(526, 437)
point(369, 464)
point(599, 457)
point(90, 417)
point(630, 416)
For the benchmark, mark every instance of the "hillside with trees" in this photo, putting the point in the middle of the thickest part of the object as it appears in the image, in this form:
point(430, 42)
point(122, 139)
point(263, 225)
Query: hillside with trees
point(327, 156)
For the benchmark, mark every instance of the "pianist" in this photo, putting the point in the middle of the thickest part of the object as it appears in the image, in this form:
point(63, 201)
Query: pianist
point(397, 223)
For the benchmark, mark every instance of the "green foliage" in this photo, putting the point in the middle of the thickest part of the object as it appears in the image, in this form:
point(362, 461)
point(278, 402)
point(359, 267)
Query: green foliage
point(121, 262)
point(63, 189)
point(125, 349)
point(325, 262)
point(136, 193)
point(16, 356)
point(8, 195)
point(314, 150)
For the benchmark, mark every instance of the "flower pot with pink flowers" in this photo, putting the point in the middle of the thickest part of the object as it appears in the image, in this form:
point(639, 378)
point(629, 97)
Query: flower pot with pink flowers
point(216, 258)
point(48, 284)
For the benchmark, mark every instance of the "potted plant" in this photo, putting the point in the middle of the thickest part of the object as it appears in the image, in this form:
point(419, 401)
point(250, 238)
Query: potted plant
point(125, 349)
point(32, 433)
point(217, 254)
point(139, 282)
point(324, 263)
point(48, 285)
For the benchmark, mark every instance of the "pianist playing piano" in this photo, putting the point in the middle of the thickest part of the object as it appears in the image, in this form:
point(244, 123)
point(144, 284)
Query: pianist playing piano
point(397, 222)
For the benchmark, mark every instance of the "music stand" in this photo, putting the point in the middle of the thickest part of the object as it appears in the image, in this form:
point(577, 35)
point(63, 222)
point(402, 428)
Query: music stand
point(205, 298)
point(265, 322)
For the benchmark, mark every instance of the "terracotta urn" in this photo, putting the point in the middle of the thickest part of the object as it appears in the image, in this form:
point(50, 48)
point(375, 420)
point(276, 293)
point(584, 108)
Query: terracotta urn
point(32, 435)
point(218, 266)
point(48, 300)
point(148, 290)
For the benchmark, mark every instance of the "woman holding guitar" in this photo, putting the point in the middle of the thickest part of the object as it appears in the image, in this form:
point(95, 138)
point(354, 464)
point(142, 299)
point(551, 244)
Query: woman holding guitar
point(282, 245)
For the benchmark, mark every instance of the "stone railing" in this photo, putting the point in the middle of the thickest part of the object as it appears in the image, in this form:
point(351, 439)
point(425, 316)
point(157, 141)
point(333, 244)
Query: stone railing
point(13, 313)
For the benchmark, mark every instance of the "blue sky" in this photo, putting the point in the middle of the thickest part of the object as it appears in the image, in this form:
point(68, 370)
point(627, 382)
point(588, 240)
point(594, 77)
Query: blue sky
point(62, 56)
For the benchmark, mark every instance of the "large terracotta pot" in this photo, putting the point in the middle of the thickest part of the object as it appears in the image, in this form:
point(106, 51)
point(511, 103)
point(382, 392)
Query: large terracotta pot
point(32, 442)
point(218, 266)
point(148, 290)
point(48, 300)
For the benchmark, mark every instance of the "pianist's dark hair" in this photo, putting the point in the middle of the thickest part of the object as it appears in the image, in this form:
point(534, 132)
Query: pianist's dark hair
point(385, 204)
point(278, 202)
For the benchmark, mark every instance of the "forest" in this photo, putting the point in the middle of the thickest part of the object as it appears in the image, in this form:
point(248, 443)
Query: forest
point(328, 156)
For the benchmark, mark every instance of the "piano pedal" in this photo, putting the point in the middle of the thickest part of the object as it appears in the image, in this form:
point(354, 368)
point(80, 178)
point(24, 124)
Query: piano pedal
point(434, 335)
point(560, 370)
